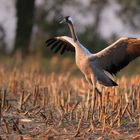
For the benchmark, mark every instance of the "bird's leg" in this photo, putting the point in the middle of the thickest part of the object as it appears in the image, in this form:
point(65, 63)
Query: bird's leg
point(94, 99)
point(88, 89)
point(87, 83)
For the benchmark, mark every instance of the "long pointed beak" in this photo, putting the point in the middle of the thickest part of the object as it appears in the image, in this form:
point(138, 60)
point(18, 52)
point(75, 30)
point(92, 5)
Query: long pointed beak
point(62, 21)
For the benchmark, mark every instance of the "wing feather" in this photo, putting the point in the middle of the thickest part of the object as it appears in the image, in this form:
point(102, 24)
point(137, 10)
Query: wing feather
point(63, 49)
point(54, 44)
point(49, 42)
point(61, 44)
point(118, 55)
point(58, 47)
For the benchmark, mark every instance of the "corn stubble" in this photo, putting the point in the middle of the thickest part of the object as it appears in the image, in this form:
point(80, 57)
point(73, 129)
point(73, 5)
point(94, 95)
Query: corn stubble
point(59, 106)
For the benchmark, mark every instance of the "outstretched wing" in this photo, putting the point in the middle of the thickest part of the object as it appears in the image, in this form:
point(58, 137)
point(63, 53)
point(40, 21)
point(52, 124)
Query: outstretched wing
point(61, 44)
point(118, 55)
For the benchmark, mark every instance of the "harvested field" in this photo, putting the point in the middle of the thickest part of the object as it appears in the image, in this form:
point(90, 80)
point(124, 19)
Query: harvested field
point(37, 105)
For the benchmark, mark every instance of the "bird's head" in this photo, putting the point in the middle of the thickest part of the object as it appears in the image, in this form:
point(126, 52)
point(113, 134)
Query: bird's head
point(67, 19)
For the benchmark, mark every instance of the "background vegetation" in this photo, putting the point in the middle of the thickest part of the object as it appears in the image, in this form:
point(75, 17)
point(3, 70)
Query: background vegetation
point(38, 22)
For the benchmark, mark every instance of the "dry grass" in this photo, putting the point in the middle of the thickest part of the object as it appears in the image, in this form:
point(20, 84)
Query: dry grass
point(37, 105)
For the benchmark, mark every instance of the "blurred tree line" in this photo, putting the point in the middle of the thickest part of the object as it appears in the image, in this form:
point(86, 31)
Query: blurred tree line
point(37, 23)
point(25, 21)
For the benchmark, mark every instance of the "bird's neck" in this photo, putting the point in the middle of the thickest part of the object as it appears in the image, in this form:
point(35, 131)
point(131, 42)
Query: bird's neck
point(73, 33)
point(81, 50)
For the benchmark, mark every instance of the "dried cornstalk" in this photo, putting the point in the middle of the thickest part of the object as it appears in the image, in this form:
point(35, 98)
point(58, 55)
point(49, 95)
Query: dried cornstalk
point(138, 98)
point(102, 114)
point(15, 125)
point(76, 115)
point(130, 114)
point(62, 99)
point(44, 100)
point(125, 108)
point(126, 97)
point(133, 101)
point(33, 108)
point(0, 112)
point(6, 126)
point(26, 98)
point(103, 124)
point(35, 95)
point(3, 98)
point(21, 100)
point(75, 106)
point(139, 121)
point(79, 125)
point(119, 116)
point(8, 108)
point(38, 111)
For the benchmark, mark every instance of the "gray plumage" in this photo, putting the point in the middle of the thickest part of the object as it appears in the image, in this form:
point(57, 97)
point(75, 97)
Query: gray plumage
point(101, 66)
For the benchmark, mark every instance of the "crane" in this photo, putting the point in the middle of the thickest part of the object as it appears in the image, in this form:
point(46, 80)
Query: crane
point(101, 66)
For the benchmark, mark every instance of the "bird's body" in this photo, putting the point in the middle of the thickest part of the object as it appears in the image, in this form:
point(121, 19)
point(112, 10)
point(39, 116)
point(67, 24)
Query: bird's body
point(104, 64)
point(101, 66)
point(90, 66)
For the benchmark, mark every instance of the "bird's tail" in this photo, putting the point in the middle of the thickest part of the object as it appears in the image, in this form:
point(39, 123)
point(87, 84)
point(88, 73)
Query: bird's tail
point(114, 83)
point(111, 79)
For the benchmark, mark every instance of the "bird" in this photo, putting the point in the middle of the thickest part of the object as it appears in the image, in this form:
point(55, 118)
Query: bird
point(99, 67)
